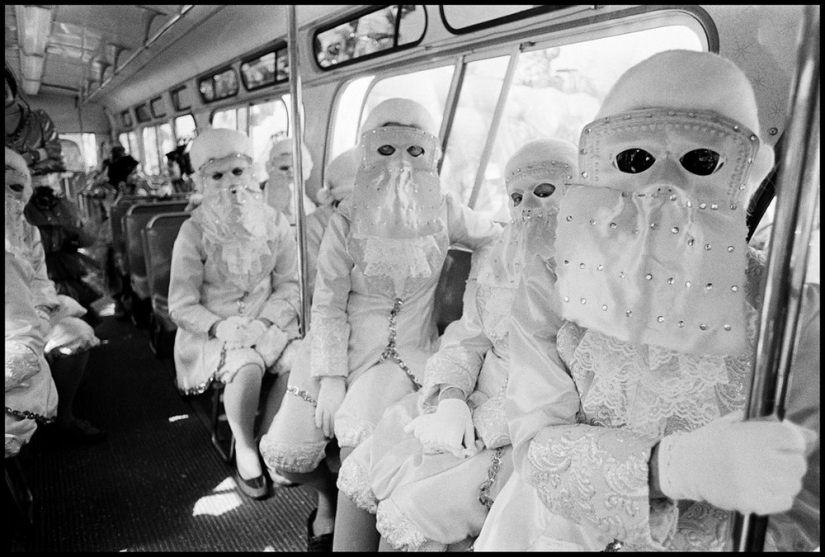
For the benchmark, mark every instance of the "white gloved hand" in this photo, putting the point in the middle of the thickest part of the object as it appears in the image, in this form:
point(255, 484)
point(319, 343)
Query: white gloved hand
point(450, 426)
point(69, 336)
point(233, 332)
point(253, 331)
point(330, 398)
point(747, 466)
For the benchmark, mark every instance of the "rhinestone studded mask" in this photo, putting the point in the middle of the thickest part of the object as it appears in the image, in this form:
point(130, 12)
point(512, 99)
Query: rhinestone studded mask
point(651, 249)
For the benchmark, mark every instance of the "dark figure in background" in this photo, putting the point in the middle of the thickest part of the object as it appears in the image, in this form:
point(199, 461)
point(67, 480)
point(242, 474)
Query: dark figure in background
point(32, 134)
point(180, 170)
point(123, 175)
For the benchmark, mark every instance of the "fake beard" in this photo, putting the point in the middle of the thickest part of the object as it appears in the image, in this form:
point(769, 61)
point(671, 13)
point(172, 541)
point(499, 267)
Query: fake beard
point(398, 239)
point(14, 225)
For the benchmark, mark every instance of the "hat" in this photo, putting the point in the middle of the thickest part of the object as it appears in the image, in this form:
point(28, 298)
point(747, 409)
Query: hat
point(340, 176)
point(283, 148)
point(403, 112)
point(215, 144)
point(538, 155)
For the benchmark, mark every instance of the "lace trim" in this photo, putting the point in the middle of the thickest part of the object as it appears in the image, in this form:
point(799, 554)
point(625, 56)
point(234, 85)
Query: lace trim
point(26, 415)
point(455, 366)
point(330, 343)
point(490, 421)
point(351, 432)
point(297, 458)
point(494, 305)
point(353, 481)
point(21, 364)
point(198, 389)
point(400, 532)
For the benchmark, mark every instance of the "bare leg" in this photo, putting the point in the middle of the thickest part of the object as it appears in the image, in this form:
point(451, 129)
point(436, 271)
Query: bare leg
point(385, 546)
point(240, 398)
point(322, 481)
point(67, 373)
point(354, 528)
point(273, 401)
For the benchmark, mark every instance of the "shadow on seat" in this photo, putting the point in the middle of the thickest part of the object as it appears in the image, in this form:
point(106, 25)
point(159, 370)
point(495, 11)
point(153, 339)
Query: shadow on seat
point(449, 293)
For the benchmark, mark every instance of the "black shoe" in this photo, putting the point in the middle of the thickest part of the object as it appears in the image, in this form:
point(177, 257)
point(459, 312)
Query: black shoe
point(82, 432)
point(256, 488)
point(317, 544)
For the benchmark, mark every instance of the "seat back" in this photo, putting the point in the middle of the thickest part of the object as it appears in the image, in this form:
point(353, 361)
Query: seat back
point(159, 236)
point(136, 218)
point(449, 294)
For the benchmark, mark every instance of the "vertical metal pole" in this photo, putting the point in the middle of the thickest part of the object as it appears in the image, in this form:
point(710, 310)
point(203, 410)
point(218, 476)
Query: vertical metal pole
point(796, 204)
point(297, 165)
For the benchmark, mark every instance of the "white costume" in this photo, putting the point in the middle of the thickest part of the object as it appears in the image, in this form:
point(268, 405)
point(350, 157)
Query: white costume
point(428, 490)
point(372, 310)
point(280, 187)
point(234, 262)
point(656, 289)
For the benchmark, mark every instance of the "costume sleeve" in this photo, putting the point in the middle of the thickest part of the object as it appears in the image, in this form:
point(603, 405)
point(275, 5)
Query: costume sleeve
point(186, 280)
point(463, 345)
point(798, 529)
point(315, 233)
point(330, 328)
point(283, 305)
point(468, 228)
point(44, 294)
point(594, 476)
point(24, 341)
point(50, 143)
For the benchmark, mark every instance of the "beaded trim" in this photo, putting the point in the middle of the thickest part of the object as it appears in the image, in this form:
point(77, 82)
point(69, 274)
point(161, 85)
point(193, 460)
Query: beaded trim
point(613, 546)
point(26, 415)
point(390, 352)
point(302, 394)
point(492, 474)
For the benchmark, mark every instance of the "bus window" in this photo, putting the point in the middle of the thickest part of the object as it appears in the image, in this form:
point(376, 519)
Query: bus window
point(166, 142)
point(134, 147)
point(347, 115)
point(557, 90)
point(266, 121)
point(88, 149)
point(123, 139)
point(428, 87)
point(151, 161)
point(185, 129)
point(231, 118)
point(476, 104)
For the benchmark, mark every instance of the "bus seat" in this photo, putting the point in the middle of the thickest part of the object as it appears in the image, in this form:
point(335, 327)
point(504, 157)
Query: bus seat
point(158, 237)
point(119, 211)
point(449, 293)
point(136, 218)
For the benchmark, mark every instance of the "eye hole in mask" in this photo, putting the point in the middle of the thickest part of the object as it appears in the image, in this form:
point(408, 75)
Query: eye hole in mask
point(16, 188)
point(415, 150)
point(702, 162)
point(283, 168)
point(237, 171)
point(516, 197)
point(634, 161)
point(386, 150)
point(544, 190)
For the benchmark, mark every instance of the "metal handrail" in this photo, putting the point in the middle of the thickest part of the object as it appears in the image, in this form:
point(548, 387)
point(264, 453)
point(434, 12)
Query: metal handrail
point(297, 152)
point(796, 203)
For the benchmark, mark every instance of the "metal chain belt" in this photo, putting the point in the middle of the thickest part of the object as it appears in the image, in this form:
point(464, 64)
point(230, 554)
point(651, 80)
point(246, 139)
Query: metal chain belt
point(302, 394)
point(613, 546)
point(390, 352)
point(492, 473)
point(26, 415)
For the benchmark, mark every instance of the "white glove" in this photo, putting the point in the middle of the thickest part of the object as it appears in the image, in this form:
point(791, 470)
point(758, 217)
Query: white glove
point(239, 332)
point(69, 336)
point(330, 397)
point(270, 345)
point(70, 307)
point(451, 427)
point(747, 466)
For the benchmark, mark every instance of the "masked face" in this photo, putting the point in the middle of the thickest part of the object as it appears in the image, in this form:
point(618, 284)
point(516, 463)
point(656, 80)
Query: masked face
point(534, 206)
point(281, 182)
point(652, 250)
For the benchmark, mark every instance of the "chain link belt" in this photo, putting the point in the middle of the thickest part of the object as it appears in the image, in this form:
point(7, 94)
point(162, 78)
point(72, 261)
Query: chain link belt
point(390, 353)
point(26, 415)
point(492, 474)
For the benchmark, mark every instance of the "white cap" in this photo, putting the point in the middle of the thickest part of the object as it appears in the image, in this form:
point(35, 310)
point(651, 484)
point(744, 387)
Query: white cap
point(400, 111)
point(340, 176)
point(214, 144)
point(539, 151)
point(283, 148)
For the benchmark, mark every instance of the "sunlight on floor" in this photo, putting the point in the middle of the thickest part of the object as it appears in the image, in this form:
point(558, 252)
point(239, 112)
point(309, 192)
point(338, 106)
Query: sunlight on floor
point(219, 503)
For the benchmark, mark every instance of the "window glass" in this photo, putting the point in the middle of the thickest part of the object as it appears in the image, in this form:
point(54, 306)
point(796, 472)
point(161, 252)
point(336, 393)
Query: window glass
point(126, 119)
point(463, 18)
point(371, 33)
point(86, 155)
point(123, 139)
point(151, 161)
point(166, 142)
point(265, 70)
point(225, 119)
point(134, 147)
point(347, 116)
point(268, 122)
point(557, 90)
point(142, 113)
point(282, 65)
point(185, 129)
point(242, 120)
point(182, 98)
point(157, 108)
point(471, 125)
point(219, 86)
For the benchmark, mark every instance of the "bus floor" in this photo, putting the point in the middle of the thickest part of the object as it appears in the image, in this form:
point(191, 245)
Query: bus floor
point(156, 484)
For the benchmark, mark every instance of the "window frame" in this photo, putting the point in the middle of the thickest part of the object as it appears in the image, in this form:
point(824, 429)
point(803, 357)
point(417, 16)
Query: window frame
point(211, 76)
point(142, 119)
point(152, 111)
point(358, 15)
point(503, 20)
point(176, 101)
point(282, 45)
point(126, 119)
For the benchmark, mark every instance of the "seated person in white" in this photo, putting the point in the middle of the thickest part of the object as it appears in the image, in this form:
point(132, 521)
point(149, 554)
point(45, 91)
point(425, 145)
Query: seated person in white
point(280, 187)
point(31, 396)
point(625, 414)
point(372, 324)
point(437, 459)
point(68, 339)
point(233, 291)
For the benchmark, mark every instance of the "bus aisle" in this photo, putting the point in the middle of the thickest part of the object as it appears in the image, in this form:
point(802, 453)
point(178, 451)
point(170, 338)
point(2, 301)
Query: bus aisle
point(157, 483)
